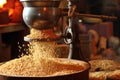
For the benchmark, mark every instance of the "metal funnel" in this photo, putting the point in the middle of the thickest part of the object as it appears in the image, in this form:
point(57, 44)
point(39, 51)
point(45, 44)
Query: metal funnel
point(41, 14)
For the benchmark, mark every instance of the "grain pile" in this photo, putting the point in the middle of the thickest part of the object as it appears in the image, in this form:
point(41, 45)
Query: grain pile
point(104, 69)
point(102, 75)
point(104, 65)
point(42, 61)
point(26, 66)
point(115, 75)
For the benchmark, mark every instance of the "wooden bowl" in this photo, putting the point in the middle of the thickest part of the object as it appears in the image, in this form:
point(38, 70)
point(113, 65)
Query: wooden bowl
point(79, 75)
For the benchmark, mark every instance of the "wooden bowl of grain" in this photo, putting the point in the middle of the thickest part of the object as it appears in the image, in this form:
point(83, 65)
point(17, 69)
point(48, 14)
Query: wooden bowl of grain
point(59, 68)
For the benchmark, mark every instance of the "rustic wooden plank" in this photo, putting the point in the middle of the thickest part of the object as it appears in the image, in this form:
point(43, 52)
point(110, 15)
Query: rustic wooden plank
point(11, 27)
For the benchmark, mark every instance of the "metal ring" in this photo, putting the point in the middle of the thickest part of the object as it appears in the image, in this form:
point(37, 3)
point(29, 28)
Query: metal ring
point(68, 36)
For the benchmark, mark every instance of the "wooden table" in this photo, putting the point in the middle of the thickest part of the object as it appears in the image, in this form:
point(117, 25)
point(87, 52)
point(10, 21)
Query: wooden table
point(11, 27)
point(9, 33)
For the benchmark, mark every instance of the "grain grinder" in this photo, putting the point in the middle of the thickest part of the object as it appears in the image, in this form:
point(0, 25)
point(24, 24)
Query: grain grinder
point(46, 14)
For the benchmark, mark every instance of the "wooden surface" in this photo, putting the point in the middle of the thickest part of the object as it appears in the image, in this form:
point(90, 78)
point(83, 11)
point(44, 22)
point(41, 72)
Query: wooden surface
point(11, 27)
